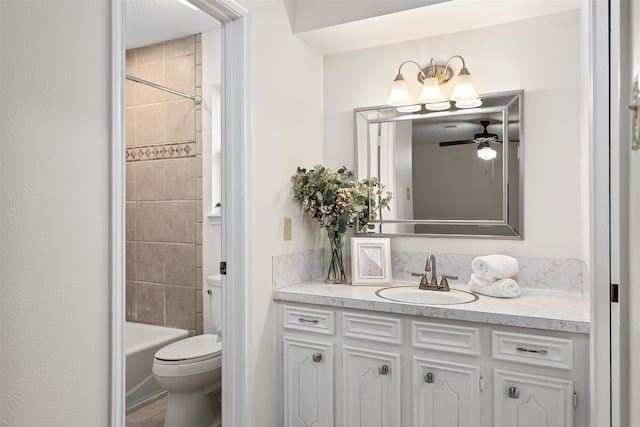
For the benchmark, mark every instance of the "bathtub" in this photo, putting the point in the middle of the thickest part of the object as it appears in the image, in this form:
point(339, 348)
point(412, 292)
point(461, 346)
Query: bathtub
point(141, 343)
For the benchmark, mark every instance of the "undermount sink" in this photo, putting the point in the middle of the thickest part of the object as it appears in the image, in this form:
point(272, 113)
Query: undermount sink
point(413, 295)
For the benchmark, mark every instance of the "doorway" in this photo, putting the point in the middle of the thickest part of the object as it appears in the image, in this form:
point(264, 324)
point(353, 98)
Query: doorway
point(231, 150)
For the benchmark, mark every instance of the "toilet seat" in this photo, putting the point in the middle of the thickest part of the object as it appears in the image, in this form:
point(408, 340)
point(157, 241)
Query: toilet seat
point(194, 349)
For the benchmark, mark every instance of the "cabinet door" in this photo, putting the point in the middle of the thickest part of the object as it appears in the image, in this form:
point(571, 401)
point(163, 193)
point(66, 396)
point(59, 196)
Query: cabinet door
point(445, 394)
point(371, 388)
point(523, 400)
point(308, 383)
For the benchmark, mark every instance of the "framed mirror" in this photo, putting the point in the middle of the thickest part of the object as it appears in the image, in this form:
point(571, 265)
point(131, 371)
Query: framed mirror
point(454, 173)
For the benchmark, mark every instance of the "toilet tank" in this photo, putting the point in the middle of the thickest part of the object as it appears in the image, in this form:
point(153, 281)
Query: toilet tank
point(212, 305)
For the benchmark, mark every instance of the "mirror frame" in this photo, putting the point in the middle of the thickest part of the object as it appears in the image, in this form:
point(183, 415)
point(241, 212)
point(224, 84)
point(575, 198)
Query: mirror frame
point(494, 229)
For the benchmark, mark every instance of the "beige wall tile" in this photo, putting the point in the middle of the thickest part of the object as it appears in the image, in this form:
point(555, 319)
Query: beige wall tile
point(198, 210)
point(180, 47)
point(198, 75)
point(199, 143)
point(198, 233)
point(198, 52)
point(199, 256)
point(198, 120)
point(150, 221)
point(130, 93)
point(150, 180)
point(199, 330)
point(180, 120)
point(199, 307)
point(180, 264)
point(150, 262)
point(199, 279)
point(198, 166)
point(130, 221)
point(152, 53)
point(130, 181)
point(130, 118)
point(150, 126)
point(131, 301)
point(150, 303)
point(154, 73)
point(179, 222)
point(130, 267)
point(180, 307)
point(180, 179)
point(180, 75)
point(198, 188)
point(198, 37)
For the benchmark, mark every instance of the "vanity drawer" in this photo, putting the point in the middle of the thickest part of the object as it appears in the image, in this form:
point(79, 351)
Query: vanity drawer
point(447, 338)
point(532, 349)
point(308, 319)
point(372, 328)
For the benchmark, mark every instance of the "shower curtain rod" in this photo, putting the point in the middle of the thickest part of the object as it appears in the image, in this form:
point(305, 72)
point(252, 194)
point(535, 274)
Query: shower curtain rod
point(197, 99)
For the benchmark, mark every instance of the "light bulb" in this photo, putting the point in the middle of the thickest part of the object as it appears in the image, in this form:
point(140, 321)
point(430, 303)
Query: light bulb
point(464, 93)
point(399, 95)
point(431, 92)
point(487, 153)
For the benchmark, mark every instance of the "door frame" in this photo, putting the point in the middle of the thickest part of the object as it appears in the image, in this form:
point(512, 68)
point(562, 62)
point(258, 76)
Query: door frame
point(600, 208)
point(236, 369)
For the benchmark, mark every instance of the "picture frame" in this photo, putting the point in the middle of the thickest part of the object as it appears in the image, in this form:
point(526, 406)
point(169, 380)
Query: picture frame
point(370, 261)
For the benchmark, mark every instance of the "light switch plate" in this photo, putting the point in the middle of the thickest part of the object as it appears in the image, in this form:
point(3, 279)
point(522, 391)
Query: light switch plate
point(287, 229)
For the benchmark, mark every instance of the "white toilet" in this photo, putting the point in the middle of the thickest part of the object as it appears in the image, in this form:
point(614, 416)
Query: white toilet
point(190, 368)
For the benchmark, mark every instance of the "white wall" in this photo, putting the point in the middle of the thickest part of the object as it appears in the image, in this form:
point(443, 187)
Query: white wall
point(54, 216)
point(211, 163)
point(541, 56)
point(285, 96)
point(634, 237)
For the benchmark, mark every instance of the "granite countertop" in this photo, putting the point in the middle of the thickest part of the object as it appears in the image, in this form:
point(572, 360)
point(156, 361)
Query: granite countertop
point(540, 309)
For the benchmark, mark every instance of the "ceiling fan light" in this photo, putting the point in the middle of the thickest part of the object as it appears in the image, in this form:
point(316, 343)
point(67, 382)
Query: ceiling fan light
point(399, 95)
point(486, 153)
point(438, 106)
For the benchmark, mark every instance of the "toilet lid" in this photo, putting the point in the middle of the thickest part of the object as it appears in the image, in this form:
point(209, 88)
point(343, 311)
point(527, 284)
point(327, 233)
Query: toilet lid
point(199, 347)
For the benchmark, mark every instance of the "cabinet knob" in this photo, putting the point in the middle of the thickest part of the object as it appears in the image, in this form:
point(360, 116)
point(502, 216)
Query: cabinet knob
point(428, 377)
point(514, 393)
point(317, 357)
point(384, 370)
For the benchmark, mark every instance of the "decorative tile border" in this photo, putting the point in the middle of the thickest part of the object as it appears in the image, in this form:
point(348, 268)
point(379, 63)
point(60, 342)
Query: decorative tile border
point(162, 151)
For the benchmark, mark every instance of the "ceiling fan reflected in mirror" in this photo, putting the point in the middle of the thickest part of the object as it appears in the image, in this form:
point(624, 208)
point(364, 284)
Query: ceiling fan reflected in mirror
point(484, 140)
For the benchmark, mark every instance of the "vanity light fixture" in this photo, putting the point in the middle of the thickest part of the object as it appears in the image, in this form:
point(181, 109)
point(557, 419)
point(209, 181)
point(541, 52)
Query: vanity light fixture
point(485, 152)
point(431, 77)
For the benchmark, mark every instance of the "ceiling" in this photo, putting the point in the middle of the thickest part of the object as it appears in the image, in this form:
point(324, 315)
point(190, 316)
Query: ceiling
point(428, 21)
point(153, 21)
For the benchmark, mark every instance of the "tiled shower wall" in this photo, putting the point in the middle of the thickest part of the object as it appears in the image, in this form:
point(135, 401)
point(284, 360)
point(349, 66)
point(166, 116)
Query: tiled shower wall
point(164, 186)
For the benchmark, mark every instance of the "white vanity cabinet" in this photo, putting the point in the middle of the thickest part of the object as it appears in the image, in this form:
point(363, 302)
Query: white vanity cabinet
point(395, 370)
point(523, 399)
point(370, 387)
point(307, 367)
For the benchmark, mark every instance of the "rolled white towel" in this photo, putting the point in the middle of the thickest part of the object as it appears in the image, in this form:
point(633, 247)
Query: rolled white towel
point(478, 281)
point(504, 288)
point(493, 267)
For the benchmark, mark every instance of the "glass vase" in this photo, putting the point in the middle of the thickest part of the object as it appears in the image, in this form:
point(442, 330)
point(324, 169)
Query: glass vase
point(336, 272)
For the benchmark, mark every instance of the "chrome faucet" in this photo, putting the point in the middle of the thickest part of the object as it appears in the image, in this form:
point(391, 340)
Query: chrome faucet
point(432, 283)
